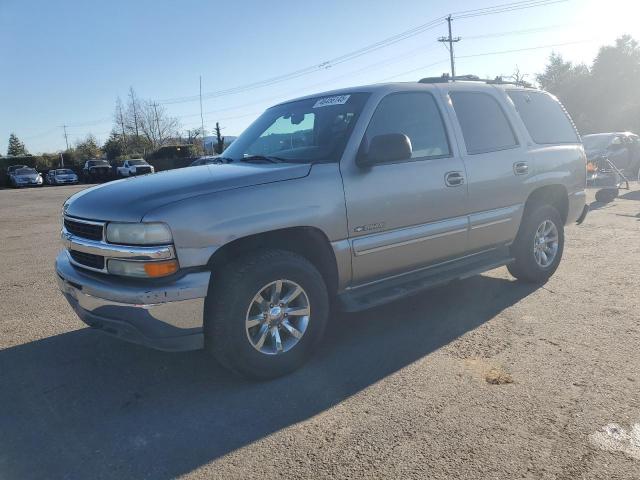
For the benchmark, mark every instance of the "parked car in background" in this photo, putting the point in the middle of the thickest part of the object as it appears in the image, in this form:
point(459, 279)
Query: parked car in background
point(205, 160)
point(131, 168)
point(61, 176)
point(12, 169)
point(96, 171)
point(25, 177)
point(361, 197)
point(622, 149)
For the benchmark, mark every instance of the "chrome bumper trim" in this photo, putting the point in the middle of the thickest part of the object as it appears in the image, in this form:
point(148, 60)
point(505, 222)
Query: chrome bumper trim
point(151, 314)
point(110, 250)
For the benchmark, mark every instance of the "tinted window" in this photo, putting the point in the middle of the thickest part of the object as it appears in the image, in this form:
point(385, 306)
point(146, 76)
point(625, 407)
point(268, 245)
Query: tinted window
point(484, 125)
point(417, 116)
point(544, 117)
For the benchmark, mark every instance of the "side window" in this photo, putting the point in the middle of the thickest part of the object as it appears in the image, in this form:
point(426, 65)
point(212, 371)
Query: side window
point(545, 118)
point(418, 117)
point(484, 125)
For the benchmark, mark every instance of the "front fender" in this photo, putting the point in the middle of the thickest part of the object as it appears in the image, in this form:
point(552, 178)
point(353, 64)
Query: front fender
point(204, 223)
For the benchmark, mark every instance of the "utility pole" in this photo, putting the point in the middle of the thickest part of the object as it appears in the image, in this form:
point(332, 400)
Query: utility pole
point(155, 110)
point(135, 112)
point(450, 40)
point(201, 116)
point(66, 139)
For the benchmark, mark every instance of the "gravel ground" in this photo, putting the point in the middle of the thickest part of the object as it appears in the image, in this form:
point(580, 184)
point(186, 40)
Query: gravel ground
point(484, 378)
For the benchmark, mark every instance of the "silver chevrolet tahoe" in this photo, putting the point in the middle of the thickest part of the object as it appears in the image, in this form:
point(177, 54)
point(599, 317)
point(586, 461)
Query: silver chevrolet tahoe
point(350, 198)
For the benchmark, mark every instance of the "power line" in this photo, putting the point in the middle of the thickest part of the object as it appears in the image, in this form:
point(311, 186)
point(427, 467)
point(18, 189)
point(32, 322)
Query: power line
point(491, 10)
point(313, 68)
point(505, 7)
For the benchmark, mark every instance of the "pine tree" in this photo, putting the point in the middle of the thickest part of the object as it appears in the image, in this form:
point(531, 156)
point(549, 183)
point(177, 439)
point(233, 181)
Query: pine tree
point(16, 147)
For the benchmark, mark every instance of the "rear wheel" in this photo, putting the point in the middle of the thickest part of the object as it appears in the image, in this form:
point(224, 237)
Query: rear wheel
point(539, 245)
point(266, 313)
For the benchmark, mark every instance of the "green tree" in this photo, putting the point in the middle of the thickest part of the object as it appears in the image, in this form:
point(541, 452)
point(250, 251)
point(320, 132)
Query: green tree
point(88, 148)
point(219, 139)
point(614, 84)
point(16, 147)
point(114, 146)
point(570, 83)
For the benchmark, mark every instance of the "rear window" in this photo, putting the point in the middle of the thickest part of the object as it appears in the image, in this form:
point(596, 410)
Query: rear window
point(484, 125)
point(545, 118)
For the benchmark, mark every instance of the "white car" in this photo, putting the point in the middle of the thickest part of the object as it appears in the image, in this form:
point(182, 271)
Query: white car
point(134, 167)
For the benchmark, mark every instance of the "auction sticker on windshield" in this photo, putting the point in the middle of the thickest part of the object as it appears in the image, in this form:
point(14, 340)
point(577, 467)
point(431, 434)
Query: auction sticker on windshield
point(329, 101)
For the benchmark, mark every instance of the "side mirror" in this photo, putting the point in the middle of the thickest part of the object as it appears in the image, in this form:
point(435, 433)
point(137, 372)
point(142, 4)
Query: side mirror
point(391, 147)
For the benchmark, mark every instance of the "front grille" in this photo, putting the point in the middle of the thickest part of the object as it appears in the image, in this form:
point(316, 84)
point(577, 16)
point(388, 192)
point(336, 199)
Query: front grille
point(88, 259)
point(84, 230)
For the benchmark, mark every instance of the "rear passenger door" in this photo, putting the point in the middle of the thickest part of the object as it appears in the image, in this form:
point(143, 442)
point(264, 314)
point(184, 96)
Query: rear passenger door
point(497, 165)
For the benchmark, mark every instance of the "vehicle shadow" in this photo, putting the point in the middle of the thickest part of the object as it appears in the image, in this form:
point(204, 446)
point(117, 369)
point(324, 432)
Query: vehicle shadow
point(84, 405)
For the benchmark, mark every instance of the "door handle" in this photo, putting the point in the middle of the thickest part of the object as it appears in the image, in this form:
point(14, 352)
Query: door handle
point(520, 168)
point(454, 179)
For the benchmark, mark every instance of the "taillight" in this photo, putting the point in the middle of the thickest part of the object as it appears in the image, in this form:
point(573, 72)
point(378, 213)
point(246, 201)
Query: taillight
point(591, 167)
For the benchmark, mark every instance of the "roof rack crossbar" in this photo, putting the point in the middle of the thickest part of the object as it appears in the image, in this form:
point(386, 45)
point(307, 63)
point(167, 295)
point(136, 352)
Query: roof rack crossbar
point(445, 77)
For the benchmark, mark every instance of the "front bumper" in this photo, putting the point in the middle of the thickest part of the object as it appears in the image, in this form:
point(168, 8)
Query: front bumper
point(165, 316)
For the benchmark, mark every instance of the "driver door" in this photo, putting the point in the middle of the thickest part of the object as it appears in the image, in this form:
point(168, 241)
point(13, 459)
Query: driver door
point(405, 215)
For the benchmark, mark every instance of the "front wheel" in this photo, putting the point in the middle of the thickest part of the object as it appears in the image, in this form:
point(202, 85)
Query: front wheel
point(538, 246)
point(265, 313)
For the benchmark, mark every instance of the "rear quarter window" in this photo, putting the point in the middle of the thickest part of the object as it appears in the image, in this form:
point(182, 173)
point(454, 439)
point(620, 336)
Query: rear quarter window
point(544, 117)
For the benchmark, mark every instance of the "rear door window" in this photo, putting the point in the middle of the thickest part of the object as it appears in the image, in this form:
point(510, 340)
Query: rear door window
point(484, 125)
point(544, 117)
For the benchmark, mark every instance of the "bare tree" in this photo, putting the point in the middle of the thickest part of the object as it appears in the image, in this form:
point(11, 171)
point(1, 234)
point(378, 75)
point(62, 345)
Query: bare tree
point(120, 123)
point(155, 124)
point(133, 113)
point(144, 124)
point(519, 77)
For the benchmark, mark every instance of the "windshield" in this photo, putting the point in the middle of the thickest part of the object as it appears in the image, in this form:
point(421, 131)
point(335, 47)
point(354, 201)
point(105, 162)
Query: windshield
point(137, 162)
point(98, 163)
point(305, 131)
point(26, 171)
point(596, 142)
point(64, 172)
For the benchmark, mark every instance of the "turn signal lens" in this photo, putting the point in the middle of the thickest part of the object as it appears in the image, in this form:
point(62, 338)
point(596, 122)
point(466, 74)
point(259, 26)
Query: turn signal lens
point(129, 268)
point(161, 269)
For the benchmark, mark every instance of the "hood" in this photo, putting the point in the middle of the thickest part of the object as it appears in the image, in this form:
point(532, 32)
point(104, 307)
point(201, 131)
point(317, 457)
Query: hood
point(28, 176)
point(130, 199)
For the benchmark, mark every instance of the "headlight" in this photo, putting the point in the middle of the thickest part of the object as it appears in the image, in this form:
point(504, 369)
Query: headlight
point(142, 269)
point(139, 233)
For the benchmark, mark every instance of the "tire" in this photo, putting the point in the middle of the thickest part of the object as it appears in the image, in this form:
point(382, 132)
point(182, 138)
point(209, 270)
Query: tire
point(526, 266)
point(606, 195)
point(232, 300)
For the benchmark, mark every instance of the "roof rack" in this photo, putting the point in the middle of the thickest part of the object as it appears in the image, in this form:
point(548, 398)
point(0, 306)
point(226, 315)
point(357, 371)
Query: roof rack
point(445, 77)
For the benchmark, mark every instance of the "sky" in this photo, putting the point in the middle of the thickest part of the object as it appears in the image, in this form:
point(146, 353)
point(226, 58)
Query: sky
point(66, 62)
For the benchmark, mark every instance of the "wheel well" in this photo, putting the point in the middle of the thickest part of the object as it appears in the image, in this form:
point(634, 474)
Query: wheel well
point(555, 195)
point(308, 242)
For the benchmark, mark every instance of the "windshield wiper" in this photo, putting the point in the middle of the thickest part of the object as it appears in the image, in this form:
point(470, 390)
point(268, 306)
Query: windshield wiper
point(223, 160)
point(262, 158)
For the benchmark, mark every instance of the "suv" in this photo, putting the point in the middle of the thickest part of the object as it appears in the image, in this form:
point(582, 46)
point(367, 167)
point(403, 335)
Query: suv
point(96, 171)
point(352, 198)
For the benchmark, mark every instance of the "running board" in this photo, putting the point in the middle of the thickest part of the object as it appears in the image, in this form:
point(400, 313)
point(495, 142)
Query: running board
point(385, 291)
